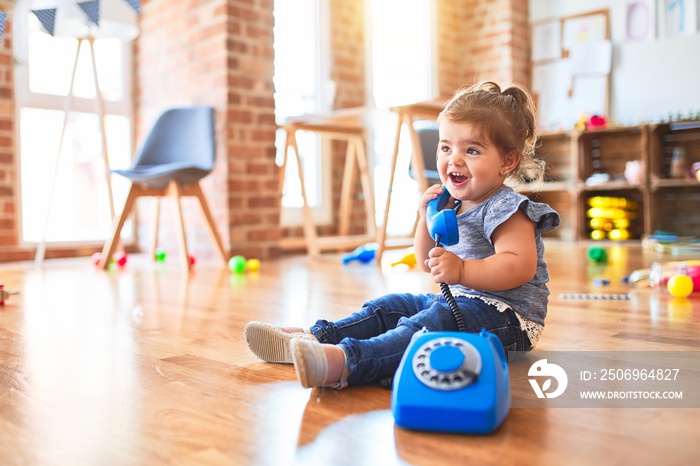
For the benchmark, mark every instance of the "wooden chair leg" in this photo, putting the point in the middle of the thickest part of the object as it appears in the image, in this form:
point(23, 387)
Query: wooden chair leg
point(196, 191)
point(182, 238)
point(111, 245)
point(156, 224)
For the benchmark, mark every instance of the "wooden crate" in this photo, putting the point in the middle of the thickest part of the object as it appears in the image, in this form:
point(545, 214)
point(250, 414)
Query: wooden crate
point(665, 139)
point(608, 151)
point(557, 150)
point(677, 209)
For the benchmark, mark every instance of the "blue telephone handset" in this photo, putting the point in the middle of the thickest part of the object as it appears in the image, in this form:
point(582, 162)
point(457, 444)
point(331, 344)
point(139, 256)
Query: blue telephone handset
point(441, 222)
point(442, 226)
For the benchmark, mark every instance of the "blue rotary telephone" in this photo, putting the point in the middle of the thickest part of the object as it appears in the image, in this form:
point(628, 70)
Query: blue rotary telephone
point(451, 381)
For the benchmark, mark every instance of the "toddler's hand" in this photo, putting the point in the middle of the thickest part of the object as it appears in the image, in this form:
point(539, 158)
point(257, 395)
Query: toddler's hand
point(430, 194)
point(445, 267)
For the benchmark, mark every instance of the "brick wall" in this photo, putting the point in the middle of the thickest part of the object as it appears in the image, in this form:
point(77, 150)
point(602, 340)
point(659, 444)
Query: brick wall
point(454, 33)
point(8, 169)
point(497, 40)
point(348, 71)
point(218, 53)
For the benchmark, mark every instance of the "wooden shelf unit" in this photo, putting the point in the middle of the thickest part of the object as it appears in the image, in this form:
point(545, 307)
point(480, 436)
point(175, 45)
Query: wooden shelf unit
point(662, 202)
point(675, 202)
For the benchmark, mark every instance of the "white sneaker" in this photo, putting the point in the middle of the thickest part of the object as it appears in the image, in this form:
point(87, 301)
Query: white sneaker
point(310, 362)
point(270, 343)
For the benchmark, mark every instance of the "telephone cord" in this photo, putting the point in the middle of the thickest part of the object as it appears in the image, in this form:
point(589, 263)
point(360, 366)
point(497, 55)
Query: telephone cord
point(461, 325)
point(387, 382)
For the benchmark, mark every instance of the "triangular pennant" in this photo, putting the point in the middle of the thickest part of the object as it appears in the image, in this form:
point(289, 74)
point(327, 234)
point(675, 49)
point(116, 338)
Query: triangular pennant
point(135, 5)
point(3, 20)
point(47, 18)
point(92, 10)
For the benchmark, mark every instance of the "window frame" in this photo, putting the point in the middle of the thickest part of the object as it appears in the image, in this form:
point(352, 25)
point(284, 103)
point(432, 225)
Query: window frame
point(26, 98)
point(321, 213)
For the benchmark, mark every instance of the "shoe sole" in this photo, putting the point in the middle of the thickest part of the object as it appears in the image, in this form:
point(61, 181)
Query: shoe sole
point(268, 343)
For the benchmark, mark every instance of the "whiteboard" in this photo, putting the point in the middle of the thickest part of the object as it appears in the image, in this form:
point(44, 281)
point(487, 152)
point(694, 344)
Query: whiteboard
point(563, 97)
point(576, 86)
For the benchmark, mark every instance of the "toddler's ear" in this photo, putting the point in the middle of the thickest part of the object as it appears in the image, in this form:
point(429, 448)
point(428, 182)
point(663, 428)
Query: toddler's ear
point(510, 161)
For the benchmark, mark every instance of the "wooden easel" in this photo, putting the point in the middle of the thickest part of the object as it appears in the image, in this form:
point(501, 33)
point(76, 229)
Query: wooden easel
point(41, 247)
point(346, 125)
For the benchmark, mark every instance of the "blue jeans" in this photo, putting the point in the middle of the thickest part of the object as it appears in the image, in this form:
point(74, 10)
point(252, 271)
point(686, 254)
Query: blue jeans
point(375, 338)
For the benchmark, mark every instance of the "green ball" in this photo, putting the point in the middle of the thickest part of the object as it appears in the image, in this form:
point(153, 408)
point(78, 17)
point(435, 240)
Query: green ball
point(598, 255)
point(237, 264)
point(160, 255)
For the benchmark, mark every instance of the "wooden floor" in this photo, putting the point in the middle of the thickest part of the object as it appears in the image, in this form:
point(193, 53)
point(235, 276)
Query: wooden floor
point(147, 365)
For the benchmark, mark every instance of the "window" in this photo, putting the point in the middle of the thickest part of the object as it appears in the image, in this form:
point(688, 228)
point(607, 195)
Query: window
point(401, 71)
point(302, 86)
point(79, 202)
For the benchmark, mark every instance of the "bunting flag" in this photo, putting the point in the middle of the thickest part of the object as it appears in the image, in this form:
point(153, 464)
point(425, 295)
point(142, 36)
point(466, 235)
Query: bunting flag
point(135, 5)
point(92, 10)
point(3, 20)
point(47, 18)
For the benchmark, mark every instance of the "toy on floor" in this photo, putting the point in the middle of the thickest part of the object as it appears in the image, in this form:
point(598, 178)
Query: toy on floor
point(5, 294)
point(669, 242)
point(589, 296)
point(236, 264)
point(409, 260)
point(452, 382)
point(120, 258)
point(660, 273)
point(680, 286)
point(252, 265)
point(160, 255)
point(598, 255)
point(363, 254)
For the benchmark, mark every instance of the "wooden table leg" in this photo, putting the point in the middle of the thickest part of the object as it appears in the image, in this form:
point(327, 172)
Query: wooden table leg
point(381, 236)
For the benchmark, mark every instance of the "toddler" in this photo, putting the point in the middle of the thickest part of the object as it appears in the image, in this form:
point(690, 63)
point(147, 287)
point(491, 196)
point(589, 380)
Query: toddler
point(496, 272)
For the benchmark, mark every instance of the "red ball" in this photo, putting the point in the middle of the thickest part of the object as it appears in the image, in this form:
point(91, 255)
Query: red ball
point(120, 258)
point(192, 261)
point(96, 258)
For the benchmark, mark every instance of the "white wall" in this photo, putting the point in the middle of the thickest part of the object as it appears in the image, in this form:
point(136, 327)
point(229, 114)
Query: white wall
point(649, 80)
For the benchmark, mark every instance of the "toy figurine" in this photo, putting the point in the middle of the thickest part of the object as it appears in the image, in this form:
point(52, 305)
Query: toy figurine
point(409, 260)
point(5, 294)
point(364, 254)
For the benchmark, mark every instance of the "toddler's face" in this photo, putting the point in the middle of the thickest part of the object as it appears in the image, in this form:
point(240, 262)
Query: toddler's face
point(469, 164)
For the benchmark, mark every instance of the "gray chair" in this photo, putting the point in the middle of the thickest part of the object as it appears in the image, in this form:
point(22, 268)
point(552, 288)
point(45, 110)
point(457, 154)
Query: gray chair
point(429, 137)
point(179, 151)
